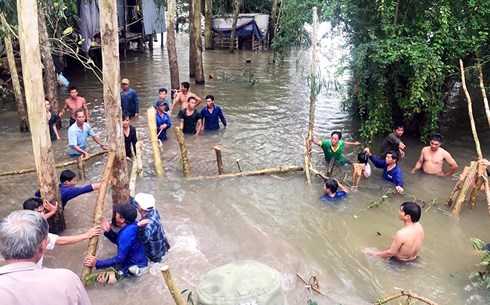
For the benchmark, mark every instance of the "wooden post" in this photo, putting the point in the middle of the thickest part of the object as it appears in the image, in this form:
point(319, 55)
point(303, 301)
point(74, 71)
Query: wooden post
point(27, 16)
point(19, 100)
point(219, 160)
point(481, 172)
point(134, 174)
point(139, 160)
point(197, 32)
point(81, 168)
point(183, 151)
point(152, 132)
point(484, 94)
point(357, 173)
point(172, 286)
point(99, 209)
point(470, 112)
point(457, 188)
point(109, 36)
point(208, 24)
point(313, 93)
point(464, 189)
point(173, 65)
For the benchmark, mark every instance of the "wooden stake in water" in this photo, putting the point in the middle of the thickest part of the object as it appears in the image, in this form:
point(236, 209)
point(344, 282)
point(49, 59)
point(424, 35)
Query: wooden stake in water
point(172, 286)
point(313, 92)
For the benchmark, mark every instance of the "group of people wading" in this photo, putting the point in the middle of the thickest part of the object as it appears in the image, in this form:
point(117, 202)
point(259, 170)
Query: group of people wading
point(408, 240)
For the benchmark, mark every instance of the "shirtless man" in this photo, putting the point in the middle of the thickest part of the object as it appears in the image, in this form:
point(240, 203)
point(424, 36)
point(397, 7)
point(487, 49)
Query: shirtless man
point(75, 102)
point(183, 95)
point(409, 239)
point(432, 158)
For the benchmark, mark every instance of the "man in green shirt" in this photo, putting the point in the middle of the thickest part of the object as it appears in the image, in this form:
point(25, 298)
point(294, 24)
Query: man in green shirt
point(334, 148)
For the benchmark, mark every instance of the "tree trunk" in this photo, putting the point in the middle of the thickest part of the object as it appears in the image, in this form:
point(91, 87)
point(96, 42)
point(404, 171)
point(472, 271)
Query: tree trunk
point(272, 28)
point(208, 24)
point(236, 10)
point(19, 100)
point(33, 83)
point(198, 67)
point(192, 50)
point(50, 78)
point(112, 98)
point(171, 48)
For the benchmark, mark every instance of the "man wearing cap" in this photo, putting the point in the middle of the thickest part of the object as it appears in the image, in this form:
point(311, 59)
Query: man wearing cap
point(163, 120)
point(150, 228)
point(129, 99)
point(130, 251)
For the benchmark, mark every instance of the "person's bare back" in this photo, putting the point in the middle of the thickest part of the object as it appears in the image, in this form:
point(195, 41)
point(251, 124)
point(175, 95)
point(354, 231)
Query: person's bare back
point(411, 238)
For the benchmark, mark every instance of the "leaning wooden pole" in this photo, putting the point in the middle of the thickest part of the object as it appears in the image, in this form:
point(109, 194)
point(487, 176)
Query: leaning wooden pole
point(219, 159)
point(470, 112)
point(183, 151)
point(172, 286)
point(484, 94)
point(266, 171)
point(152, 132)
point(134, 174)
point(313, 92)
point(408, 294)
point(99, 209)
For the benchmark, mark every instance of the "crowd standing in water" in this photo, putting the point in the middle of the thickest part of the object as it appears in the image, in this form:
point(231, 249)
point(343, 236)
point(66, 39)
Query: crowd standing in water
point(142, 241)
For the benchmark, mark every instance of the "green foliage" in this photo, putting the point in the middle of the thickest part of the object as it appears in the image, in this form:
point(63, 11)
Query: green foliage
point(402, 54)
point(310, 302)
point(247, 77)
point(483, 276)
point(190, 299)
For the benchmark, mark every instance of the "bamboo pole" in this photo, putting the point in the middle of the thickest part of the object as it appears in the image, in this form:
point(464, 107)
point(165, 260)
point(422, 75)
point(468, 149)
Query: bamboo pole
point(357, 173)
point(457, 187)
point(484, 94)
point(408, 294)
point(172, 286)
point(464, 189)
point(139, 160)
point(313, 287)
point(267, 171)
point(219, 159)
point(470, 112)
point(152, 132)
point(59, 165)
point(481, 172)
point(183, 151)
point(313, 93)
point(487, 192)
point(132, 180)
point(99, 209)
point(81, 168)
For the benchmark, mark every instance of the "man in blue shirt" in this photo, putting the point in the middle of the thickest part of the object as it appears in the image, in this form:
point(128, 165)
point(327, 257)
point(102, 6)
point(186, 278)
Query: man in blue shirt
point(68, 188)
point(391, 170)
point(129, 99)
point(150, 228)
point(78, 134)
point(163, 120)
point(211, 114)
point(130, 250)
point(331, 190)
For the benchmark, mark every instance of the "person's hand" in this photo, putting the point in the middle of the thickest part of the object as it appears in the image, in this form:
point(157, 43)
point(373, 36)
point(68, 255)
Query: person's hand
point(402, 145)
point(60, 114)
point(202, 128)
point(441, 174)
point(402, 154)
point(95, 231)
point(129, 159)
point(90, 261)
point(163, 126)
point(399, 189)
point(105, 224)
point(143, 223)
point(413, 171)
point(369, 252)
point(357, 143)
point(86, 155)
point(104, 147)
point(50, 207)
point(58, 138)
point(136, 115)
point(367, 151)
point(484, 162)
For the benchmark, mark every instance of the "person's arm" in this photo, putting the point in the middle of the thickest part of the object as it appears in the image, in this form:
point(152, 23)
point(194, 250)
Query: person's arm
point(95, 186)
point(450, 160)
point(343, 187)
point(136, 104)
point(377, 162)
point(169, 122)
point(199, 125)
point(65, 106)
point(123, 248)
point(85, 110)
point(50, 209)
point(181, 124)
point(55, 129)
point(484, 162)
point(419, 163)
point(134, 138)
point(316, 141)
point(198, 99)
point(393, 250)
point(222, 117)
point(66, 240)
point(144, 231)
point(352, 143)
point(98, 141)
point(398, 179)
point(176, 99)
point(69, 193)
point(81, 151)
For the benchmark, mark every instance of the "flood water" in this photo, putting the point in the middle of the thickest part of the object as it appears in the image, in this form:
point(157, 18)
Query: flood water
point(277, 220)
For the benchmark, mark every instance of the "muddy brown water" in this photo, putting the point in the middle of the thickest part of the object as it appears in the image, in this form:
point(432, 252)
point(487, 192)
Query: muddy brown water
point(278, 219)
